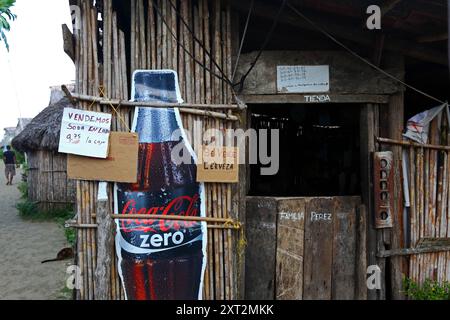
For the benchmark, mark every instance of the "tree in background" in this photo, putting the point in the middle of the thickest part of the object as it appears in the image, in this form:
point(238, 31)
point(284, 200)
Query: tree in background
point(5, 15)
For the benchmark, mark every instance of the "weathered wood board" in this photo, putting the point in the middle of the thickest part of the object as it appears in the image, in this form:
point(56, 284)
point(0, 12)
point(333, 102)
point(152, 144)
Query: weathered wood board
point(261, 248)
point(347, 75)
point(304, 248)
point(290, 249)
point(318, 249)
point(344, 248)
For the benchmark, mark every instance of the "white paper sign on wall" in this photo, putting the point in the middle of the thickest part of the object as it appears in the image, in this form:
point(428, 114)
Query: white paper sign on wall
point(85, 133)
point(303, 79)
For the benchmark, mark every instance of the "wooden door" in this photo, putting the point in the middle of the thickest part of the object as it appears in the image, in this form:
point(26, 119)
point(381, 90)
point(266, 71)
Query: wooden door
point(304, 248)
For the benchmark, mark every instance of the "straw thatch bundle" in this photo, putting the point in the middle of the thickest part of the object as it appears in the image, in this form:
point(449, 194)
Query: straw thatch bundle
point(42, 133)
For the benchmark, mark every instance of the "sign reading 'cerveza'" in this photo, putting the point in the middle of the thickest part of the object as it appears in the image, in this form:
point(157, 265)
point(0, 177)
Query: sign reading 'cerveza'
point(85, 133)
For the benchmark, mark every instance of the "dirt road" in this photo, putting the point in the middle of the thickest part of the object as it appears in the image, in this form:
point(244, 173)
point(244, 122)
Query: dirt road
point(23, 246)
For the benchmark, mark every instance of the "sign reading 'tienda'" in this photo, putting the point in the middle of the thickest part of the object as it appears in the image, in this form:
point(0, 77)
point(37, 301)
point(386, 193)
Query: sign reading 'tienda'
point(85, 133)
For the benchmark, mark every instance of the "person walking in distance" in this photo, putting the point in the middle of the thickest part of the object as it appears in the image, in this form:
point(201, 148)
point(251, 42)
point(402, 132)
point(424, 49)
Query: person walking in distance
point(9, 158)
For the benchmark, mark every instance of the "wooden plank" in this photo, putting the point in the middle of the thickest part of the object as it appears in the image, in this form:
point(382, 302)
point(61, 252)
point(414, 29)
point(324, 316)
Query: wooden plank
point(344, 248)
point(261, 248)
point(343, 78)
point(367, 132)
point(313, 98)
point(105, 241)
point(68, 42)
point(398, 266)
point(290, 249)
point(412, 251)
point(318, 249)
point(361, 254)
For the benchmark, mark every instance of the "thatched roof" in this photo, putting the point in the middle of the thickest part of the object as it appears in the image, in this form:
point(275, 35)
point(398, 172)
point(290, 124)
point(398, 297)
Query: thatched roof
point(42, 133)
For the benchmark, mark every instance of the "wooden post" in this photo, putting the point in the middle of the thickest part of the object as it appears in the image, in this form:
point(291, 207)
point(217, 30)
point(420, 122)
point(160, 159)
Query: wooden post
point(68, 42)
point(395, 129)
point(105, 241)
point(368, 125)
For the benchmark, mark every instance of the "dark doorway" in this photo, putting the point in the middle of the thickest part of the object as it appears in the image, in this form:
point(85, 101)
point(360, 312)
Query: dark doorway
point(319, 150)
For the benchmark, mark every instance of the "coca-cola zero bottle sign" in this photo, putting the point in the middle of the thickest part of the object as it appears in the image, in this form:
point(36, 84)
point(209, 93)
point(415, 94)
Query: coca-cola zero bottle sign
point(160, 258)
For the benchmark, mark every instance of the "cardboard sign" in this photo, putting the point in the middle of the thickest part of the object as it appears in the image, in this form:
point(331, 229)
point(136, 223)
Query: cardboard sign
point(160, 259)
point(303, 79)
point(85, 133)
point(120, 166)
point(218, 164)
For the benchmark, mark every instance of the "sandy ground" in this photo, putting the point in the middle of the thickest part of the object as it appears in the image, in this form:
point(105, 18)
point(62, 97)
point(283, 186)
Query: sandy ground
point(23, 246)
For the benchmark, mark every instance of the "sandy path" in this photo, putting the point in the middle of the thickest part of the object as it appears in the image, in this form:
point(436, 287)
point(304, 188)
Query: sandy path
point(23, 246)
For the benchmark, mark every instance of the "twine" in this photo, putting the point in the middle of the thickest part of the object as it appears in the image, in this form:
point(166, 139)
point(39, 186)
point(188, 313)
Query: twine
point(116, 112)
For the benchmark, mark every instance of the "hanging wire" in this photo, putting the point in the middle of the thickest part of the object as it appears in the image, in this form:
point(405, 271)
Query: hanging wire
point(263, 47)
point(250, 10)
point(201, 44)
point(323, 31)
point(201, 64)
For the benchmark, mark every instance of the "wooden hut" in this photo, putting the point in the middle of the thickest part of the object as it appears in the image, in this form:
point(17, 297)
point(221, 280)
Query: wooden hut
point(48, 185)
point(314, 228)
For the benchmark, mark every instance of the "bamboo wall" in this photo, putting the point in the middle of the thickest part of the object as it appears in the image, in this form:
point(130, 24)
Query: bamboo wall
point(428, 175)
point(144, 41)
point(48, 185)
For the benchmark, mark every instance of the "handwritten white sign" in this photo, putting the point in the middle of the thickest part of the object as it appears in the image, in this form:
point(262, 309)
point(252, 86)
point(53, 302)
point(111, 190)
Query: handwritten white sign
point(303, 79)
point(85, 133)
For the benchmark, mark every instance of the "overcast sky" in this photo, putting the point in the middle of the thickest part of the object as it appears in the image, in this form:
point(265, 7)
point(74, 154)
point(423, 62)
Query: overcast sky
point(36, 59)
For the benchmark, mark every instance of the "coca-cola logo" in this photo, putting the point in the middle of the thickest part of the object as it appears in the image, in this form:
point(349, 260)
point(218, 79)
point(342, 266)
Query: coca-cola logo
point(180, 206)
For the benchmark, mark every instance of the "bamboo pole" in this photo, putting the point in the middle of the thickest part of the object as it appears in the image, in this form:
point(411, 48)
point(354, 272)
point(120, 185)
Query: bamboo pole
point(423, 231)
point(95, 107)
point(420, 206)
point(172, 217)
point(201, 56)
point(106, 46)
point(84, 50)
point(186, 40)
point(173, 41)
point(409, 143)
point(132, 38)
point(211, 247)
point(169, 37)
point(90, 241)
point(85, 66)
point(412, 212)
point(228, 62)
point(220, 214)
point(142, 42)
point(442, 216)
point(223, 42)
point(227, 66)
point(197, 68)
point(89, 49)
point(94, 28)
point(207, 37)
point(433, 195)
point(119, 102)
point(123, 70)
point(80, 243)
point(181, 55)
point(447, 229)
